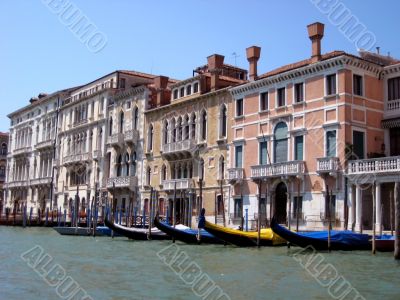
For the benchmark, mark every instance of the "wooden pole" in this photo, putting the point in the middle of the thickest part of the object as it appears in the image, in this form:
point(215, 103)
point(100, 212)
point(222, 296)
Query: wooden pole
point(223, 203)
point(150, 212)
point(298, 206)
point(373, 218)
point(215, 205)
point(381, 225)
point(174, 210)
point(259, 215)
point(397, 221)
point(201, 195)
point(391, 211)
point(329, 218)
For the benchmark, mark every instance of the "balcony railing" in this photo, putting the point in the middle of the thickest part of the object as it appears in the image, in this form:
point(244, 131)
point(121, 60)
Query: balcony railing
point(23, 150)
point(116, 140)
point(125, 182)
point(17, 184)
point(290, 168)
point(392, 108)
point(327, 165)
point(235, 174)
point(181, 146)
point(131, 136)
point(41, 181)
point(78, 158)
point(384, 166)
point(45, 144)
point(169, 185)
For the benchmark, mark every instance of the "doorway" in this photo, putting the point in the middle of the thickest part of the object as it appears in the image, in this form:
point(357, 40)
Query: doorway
point(281, 203)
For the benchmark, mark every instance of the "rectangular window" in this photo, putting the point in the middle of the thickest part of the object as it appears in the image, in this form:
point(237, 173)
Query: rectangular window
point(239, 107)
point(263, 153)
point(238, 208)
point(175, 94)
point(122, 83)
point(331, 143)
point(298, 207)
point(331, 84)
point(299, 92)
point(394, 88)
point(298, 147)
point(281, 97)
point(264, 101)
point(196, 87)
point(358, 144)
point(357, 85)
point(182, 92)
point(239, 156)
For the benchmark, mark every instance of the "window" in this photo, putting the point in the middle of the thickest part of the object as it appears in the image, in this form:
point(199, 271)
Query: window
point(110, 128)
point(128, 105)
point(150, 137)
point(121, 122)
point(357, 85)
point(4, 149)
point(182, 92)
point(189, 90)
point(331, 84)
point(238, 208)
point(263, 153)
point(136, 118)
point(196, 87)
point(299, 92)
point(239, 107)
point(163, 173)
point(358, 144)
point(264, 101)
point(204, 125)
point(148, 176)
point(223, 122)
point(119, 166)
point(298, 147)
point(122, 82)
point(394, 88)
point(331, 143)
point(220, 206)
point(280, 143)
point(281, 97)
point(239, 156)
point(330, 210)
point(298, 207)
point(175, 94)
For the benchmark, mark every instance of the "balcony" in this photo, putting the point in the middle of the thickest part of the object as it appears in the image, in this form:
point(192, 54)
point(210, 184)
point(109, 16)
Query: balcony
point(116, 140)
point(45, 145)
point(131, 136)
point(97, 154)
point(77, 159)
point(328, 165)
point(23, 150)
point(17, 184)
point(181, 184)
point(284, 169)
point(392, 108)
point(179, 150)
point(235, 174)
point(369, 169)
point(125, 182)
point(41, 181)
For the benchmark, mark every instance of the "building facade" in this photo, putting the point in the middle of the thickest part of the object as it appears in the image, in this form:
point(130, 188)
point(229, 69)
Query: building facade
point(3, 166)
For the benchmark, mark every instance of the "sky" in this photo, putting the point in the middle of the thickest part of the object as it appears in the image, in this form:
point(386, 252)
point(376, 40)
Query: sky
point(39, 52)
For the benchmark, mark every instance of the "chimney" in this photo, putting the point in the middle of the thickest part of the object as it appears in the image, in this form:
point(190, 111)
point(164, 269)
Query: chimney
point(253, 55)
point(33, 100)
point(215, 63)
point(316, 33)
point(160, 83)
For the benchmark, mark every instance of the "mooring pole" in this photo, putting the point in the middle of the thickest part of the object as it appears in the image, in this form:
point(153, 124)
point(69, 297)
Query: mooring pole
point(373, 218)
point(397, 221)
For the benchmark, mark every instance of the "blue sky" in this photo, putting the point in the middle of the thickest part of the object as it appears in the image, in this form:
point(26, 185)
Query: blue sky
point(40, 54)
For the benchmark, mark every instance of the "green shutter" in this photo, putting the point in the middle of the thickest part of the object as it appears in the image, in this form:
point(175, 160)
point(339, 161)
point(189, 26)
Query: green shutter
point(280, 143)
point(263, 159)
point(299, 141)
point(358, 144)
point(239, 157)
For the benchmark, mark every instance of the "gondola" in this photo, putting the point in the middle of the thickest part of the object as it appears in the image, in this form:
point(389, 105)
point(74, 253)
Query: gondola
point(186, 234)
point(340, 240)
point(137, 233)
point(83, 231)
point(243, 238)
point(384, 243)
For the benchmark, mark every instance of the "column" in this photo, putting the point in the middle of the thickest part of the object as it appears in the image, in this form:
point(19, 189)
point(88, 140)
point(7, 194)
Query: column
point(378, 211)
point(350, 202)
point(358, 208)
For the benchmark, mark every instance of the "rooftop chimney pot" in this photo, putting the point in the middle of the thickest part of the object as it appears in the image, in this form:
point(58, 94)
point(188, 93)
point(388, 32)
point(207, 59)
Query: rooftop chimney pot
point(316, 33)
point(253, 55)
point(215, 63)
point(160, 84)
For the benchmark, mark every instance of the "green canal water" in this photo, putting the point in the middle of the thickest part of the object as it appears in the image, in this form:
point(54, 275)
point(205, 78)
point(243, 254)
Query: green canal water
point(121, 269)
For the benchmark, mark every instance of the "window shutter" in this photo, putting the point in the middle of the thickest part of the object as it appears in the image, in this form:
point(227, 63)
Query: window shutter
point(238, 157)
point(331, 144)
point(358, 144)
point(299, 141)
point(263, 160)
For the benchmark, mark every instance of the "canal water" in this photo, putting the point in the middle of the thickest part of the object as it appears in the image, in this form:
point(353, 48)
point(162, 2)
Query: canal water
point(121, 269)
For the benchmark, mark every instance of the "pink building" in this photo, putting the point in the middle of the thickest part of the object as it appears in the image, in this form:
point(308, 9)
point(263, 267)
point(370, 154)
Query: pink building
point(301, 133)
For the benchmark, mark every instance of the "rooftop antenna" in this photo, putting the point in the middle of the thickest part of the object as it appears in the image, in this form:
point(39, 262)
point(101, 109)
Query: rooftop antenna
point(235, 55)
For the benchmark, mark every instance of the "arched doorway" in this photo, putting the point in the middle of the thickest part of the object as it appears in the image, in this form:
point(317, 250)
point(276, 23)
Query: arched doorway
point(280, 203)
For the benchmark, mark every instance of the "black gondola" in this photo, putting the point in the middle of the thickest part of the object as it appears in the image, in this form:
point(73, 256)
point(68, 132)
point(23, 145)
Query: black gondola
point(140, 234)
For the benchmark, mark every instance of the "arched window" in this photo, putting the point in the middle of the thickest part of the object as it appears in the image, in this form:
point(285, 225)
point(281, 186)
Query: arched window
point(163, 173)
point(121, 122)
point(204, 125)
point(126, 164)
point(165, 133)
point(201, 169)
point(179, 128)
point(150, 138)
point(148, 176)
point(133, 164)
point(173, 131)
point(223, 122)
point(193, 126)
point(136, 118)
point(4, 149)
point(119, 166)
point(186, 128)
point(188, 90)
point(280, 143)
point(110, 127)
